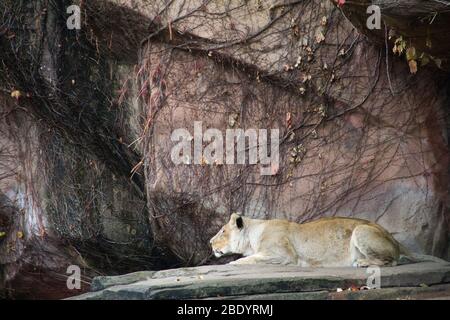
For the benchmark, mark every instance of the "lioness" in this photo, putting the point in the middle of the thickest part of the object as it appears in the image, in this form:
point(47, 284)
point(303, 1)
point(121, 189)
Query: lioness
point(328, 242)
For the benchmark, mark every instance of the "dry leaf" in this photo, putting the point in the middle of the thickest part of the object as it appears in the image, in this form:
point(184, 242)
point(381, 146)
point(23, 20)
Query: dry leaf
point(319, 37)
point(296, 30)
point(399, 46)
point(16, 94)
point(392, 33)
point(232, 119)
point(204, 161)
point(288, 119)
point(412, 66)
point(306, 77)
point(291, 136)
point(411, 53)
point(288, 67)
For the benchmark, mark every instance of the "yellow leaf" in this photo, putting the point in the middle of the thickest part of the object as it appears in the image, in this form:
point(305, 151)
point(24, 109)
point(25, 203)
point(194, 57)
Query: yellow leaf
point(412, 66)
point(16, 94)
point(395, 49)
point(399, 46)
point(2, 234)
point(19, 234)
point(411, 54)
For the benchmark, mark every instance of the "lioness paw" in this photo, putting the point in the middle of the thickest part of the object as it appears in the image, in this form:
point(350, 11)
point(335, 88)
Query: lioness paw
point(361, 263)
point(240, 261)
point(364, 263)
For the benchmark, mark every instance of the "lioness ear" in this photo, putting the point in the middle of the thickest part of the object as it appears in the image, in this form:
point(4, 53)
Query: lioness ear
point(239, 223)
point(236, 220)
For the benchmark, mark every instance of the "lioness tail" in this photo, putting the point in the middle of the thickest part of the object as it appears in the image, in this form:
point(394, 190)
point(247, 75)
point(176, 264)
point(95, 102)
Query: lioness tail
point(408, 256)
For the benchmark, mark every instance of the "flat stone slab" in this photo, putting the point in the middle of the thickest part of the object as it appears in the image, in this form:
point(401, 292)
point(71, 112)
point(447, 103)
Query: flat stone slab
point(272, 282)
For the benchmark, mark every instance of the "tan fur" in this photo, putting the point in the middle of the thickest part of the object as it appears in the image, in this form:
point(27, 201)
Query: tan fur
point(328, 242)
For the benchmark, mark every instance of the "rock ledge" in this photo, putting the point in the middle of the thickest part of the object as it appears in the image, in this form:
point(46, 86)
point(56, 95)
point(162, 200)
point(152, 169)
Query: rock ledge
point(419, 280)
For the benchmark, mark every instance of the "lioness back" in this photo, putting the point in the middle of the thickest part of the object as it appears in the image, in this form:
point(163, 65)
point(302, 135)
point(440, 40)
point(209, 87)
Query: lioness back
point(327, 242)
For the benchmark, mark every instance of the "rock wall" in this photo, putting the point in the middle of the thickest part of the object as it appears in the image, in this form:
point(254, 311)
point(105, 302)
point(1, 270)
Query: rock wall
point(62, 201)
point(60, 207)
point(372, 137)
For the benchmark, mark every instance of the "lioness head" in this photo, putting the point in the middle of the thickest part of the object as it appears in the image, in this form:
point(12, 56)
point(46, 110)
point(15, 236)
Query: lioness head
point(226, 241)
